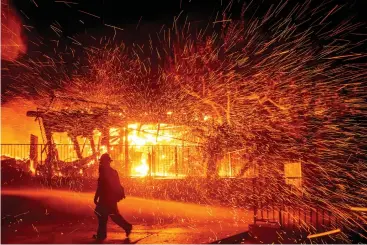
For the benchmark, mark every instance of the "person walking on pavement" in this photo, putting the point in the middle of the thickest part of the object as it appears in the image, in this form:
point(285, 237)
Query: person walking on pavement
point(109, 192)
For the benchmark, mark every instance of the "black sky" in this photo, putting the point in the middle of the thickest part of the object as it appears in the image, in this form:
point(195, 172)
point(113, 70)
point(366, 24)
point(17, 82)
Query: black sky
point(71, 14)
point(75, 17)
point(88, 19)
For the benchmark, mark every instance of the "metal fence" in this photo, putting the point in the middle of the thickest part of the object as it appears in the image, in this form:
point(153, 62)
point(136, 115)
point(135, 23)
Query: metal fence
point(290, 216)
point(151, 160)
point(162, 160)
point(281, 203)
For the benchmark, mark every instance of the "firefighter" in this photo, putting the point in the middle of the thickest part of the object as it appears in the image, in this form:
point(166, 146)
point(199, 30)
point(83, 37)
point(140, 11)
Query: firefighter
point(109, 193)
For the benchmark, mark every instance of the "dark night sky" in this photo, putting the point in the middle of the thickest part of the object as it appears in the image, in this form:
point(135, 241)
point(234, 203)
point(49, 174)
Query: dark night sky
point(123, 14)
point(126, 14)
point(74, 22)
point(151, 16)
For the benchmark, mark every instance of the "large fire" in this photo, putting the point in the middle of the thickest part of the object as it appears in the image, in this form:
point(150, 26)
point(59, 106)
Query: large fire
point(141, 139)
point(144, 140)
point(12, 42)
point(283, 94)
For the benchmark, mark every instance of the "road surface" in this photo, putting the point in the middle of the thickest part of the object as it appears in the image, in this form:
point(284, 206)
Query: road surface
point(55, 216)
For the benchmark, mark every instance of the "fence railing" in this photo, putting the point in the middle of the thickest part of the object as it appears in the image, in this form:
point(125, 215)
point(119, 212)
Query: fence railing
point(162, 160)
point(290, 217)
point(282, 203)
point(151, 160)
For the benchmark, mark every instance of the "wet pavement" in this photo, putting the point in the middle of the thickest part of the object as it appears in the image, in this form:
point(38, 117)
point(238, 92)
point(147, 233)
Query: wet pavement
point(54, 216)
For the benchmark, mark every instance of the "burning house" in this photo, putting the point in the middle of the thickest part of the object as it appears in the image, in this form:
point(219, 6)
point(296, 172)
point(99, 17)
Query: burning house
point(74, 138)
point(75, 132)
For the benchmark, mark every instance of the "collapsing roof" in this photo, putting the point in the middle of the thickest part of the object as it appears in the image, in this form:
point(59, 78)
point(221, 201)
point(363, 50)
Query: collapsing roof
point(78, 122)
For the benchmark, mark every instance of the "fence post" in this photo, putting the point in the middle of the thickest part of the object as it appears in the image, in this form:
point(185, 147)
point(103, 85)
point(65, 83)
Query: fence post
point(150, 162)
point(289, 216)
point(254, 199)
point(281, 214)
point(182, 157)
point(41, 150)
point(317, 218)
point(154, 170)
point(230, 164)
point(127, 170)
point(33, 152)
point(176, 161)
point(189, 170)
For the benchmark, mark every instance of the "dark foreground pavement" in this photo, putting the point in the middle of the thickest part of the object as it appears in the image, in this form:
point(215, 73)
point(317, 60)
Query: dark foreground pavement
point(54, 216)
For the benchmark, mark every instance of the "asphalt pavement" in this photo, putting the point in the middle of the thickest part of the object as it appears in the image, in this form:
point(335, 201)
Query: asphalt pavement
point(54, 216)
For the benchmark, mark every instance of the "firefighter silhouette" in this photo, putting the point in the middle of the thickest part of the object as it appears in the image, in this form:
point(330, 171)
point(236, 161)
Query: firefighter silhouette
point(109, 193)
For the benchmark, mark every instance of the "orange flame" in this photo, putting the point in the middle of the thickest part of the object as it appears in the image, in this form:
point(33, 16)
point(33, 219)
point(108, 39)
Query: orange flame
point(143, 169)
point(12, 43)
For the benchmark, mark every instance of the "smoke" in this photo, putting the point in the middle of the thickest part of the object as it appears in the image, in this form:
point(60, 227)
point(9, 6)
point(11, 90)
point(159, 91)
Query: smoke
point(12, 42)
